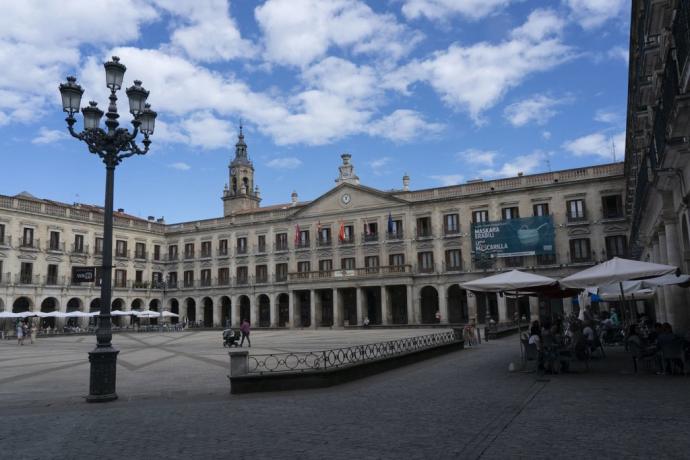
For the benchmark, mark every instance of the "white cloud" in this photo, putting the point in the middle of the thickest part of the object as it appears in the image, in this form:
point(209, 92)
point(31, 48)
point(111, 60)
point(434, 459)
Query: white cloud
point(285, 163)
point(546, 135)
point(207, 19)
point(594, 13)
point(442, 9)
point(476, 77)
point(379, 165)
point(607, 116)
point(619, 52)
point(297, 32)
point(519, 164)
point(180, 166)
point(537, 108)
point(207, 131)
point(343, 78)
point(599, 144)
point(478, 157)
point(448, 179)
point(48, 136)
point(403, 126)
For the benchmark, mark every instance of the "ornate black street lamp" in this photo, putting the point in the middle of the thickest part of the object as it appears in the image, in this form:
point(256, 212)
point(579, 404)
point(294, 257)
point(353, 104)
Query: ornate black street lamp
point(112, 146)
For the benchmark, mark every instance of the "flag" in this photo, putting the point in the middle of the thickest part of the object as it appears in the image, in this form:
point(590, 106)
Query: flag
point(318, 228)
point(297, 234)
point(341, 233)
point(390, 223)
point(366, 229)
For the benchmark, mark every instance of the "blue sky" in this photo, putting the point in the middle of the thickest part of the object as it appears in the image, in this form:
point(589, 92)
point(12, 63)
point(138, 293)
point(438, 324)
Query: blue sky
point(445, 90)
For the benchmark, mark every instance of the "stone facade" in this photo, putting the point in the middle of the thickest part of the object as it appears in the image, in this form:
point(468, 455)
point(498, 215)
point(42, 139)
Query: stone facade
point(657, 148)
point(343, 266)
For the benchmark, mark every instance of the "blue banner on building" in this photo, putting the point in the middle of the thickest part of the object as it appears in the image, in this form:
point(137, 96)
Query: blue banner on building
point(528, 236)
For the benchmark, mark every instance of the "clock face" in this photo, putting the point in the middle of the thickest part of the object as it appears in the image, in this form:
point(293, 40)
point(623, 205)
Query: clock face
point(232, 171)
point(345, 198)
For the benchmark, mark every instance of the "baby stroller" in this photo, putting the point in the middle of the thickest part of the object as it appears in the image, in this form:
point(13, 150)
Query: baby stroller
point(230, 338)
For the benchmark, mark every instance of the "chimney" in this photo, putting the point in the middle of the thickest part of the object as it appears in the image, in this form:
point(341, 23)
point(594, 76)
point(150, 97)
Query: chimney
point(406, 182)
point(294, 198)
point(120, 209)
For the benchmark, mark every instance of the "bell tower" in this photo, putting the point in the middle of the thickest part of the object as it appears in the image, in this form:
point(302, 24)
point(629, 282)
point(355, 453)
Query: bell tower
point(240, 193)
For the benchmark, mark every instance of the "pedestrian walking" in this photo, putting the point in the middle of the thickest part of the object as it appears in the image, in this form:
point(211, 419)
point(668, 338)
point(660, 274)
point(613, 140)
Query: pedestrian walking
point(245, 329)
point(20, 333)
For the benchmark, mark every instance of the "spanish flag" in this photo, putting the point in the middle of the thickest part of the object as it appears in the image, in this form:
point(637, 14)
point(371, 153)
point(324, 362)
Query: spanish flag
point(297, 234)
point(341, 233)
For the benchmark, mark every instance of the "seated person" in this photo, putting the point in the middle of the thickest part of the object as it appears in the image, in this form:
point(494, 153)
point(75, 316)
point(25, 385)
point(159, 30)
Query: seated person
point(588, 332)
point(614, 317)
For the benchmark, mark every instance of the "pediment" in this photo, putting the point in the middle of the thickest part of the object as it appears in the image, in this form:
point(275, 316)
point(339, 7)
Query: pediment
point(348, 198)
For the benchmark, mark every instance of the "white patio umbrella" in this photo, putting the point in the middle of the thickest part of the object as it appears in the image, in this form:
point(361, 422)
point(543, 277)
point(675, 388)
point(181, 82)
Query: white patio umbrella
point(666, 280)
point(513, 281)
point(56, 314)
point(121, 313)
point(148, 314)
point(77, 314)
point(9, 314)
point(616, 270)
point(169, 314)
point(640, 294)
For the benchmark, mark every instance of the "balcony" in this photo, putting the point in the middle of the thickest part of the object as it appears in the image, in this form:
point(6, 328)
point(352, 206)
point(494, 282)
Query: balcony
point(5, 240)
point(223, 252)
point(362, 272)
point(261, 278)
point(348, 239)
point(240, 250)
point(242, 281)
point(120, 283)
point(205, 282)
point(27, 278)
point(206, 254)
point(52, 280)
point(55, 246)
point(423, 233)
point(188, 284)
point(224, 281)
point(141, 255)
point(280, 246)
point(306, 244)
point(426, 268)
point(172, 257)
point(451, 267)
point(577, 219)
point(323, 242)
point(79, 249)
point(189, 255)
point(122, 254)
point(260, 248)
point(451, 231)
point(394, 236)
point(29, 244)
point(370, 237)
point(5, 278)
point(140, 285)
point(280, 278)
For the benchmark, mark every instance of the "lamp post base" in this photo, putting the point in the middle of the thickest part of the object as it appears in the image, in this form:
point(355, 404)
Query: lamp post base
point(103, 368)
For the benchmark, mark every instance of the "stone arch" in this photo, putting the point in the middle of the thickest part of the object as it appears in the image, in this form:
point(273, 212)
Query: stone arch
point(155, 305)
point(48, 305)
point(457, 304)
point(264, 310)
point(190, 305)
point(2, 305)
point(283, 309)
point(137, 304)
point(74, 304)
point(174, 308)
point(428, 304)
point(225, 311)
point(118, 304)
point(244, 309)
point(207, 303)
point(95, 304)
point(21, 304)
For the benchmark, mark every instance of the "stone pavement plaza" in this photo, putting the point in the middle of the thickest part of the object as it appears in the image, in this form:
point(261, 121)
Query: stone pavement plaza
point(175, 404)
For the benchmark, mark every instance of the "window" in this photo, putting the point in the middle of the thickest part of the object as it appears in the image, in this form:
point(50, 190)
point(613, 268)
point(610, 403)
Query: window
point(2, 234)
point(99, 246)
point(172, 252)
point(156, 279)
point(396, 230)
point(120, 278)
point(78, 244)
point(156, 252)
point(348, 235)
point(516, 261)
point(140, 251)
point(206, 250)
point(242, 276)
point(281, 272)
point(510, 213)
point(241, 245)
point(396, 260)
point(480, 216)
point(223, 247)
point(52, 276)
point(139, 279)
point(546, 259)
point(206, 276)
point(425, 261)
point(224, 276)
point(576, 210)
point(121, 248)
point(325, 265)
point(303, 266)
point(541, 209)
point(324, 236)
point(453, 260)
point(172, 279)
point(261, 243)
point(580, 250)
point(189, 278)
point(54, 241)
point(347, 263)
point(616, 246)
point(451, 224)
point(28, 239)
point(26, 273)
point(189, 250)
point(612, 206)
point(423, 227)
point(371, 231)
point(281, 242)
point(261, 274)
point(302, 239)
point(372, 264)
